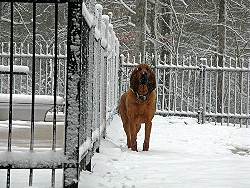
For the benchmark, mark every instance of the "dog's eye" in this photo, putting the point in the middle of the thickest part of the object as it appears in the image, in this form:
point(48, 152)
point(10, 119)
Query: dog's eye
point(147, 69)
point(139, 68)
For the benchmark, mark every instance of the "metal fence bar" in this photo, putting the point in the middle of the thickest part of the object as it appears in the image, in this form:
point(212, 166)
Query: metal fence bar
point(55, 93)
point(116, 75)
point(241, 93)
point(11, 78)
point(104, 74)
point(72, 121)
point(55, 78)
point(248, 90)
point(235, 92)
point(182, 88)
point(169, 90)
point(210, 88)
point(200, 105)
point(11, 92)
point(163, 86)
point(223, 92)
point(229, 91)
point(204, 84)
point(33, 91)
point(195, 84)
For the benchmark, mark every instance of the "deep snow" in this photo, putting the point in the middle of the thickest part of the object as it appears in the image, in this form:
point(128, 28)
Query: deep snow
point(182, 153)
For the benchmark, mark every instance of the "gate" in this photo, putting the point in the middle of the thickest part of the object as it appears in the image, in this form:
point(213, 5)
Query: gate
point(79, 88)
point(198, 87)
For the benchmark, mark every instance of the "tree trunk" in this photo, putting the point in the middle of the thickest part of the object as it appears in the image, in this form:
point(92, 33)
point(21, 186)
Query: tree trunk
point(221, 53)
point(0, 11)
point(155, 31)
point(165, 30)
point(149, 45)
point(140, 35)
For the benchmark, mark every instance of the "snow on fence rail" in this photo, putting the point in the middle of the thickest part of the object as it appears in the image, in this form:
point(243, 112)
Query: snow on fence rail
point(85, 74)
point(198, 87)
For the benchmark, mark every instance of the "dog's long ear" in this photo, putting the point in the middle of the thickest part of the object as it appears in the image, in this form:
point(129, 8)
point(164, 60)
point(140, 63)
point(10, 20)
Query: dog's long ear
point(151, 81)
point(134, 81)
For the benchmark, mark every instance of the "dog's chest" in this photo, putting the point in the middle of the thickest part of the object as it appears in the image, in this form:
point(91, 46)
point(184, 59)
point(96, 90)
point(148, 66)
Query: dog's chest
point(143, 111)
point(142, 107)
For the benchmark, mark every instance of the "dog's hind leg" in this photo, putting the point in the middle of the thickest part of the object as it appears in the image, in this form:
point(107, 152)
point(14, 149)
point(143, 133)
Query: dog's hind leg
point(147, 136)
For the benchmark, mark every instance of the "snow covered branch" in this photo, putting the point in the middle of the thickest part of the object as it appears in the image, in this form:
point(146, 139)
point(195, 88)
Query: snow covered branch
point(127, 7)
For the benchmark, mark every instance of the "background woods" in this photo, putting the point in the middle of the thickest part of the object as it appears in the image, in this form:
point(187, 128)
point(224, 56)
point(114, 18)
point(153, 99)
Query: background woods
point(163, 27)
point(23, 21)
point(182, 27)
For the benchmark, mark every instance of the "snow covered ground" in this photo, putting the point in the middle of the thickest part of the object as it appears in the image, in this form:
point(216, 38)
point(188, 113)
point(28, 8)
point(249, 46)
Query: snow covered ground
point(182, 153)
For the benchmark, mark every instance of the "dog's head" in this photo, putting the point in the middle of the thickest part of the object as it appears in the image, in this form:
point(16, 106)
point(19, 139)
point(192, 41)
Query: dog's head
point(143, 79)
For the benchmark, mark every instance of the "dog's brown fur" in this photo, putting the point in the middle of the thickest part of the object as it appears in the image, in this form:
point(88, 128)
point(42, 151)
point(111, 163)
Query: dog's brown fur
point(136, 109)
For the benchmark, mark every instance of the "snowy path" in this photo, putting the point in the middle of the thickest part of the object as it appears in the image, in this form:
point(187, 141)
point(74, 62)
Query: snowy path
point(182, 154)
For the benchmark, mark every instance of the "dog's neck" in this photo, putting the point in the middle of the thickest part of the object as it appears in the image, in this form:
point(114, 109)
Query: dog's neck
point(141, 96)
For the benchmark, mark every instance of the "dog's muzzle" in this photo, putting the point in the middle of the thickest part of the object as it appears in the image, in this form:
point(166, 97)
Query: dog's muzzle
point(144, 78)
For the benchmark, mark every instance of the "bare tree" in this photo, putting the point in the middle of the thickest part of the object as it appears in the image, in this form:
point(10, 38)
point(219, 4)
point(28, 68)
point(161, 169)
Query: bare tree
point(140, 29)
point(221, 51)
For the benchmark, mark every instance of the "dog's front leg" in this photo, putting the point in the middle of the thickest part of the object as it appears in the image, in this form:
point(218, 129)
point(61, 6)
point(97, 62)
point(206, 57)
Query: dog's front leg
point(147, 136)
point(128, 139)
point(126, 127)
point(133, 137)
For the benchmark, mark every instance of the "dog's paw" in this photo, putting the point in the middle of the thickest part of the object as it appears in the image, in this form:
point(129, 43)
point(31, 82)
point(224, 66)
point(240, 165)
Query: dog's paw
point(145, 146)
point(134, 146)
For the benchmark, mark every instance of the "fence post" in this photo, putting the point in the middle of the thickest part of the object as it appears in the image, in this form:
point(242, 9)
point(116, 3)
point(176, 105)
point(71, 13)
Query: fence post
point(83, 131)
point(121, 74)
point(117, 65)
point(105, 19)
point(72, 115)
point(202, 92)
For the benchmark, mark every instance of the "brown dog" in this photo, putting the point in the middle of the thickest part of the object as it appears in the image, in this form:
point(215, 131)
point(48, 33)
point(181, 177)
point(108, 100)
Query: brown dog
point(137, 105)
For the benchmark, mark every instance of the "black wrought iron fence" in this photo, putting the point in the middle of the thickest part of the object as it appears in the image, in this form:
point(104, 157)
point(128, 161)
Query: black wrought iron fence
point(88, 93)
